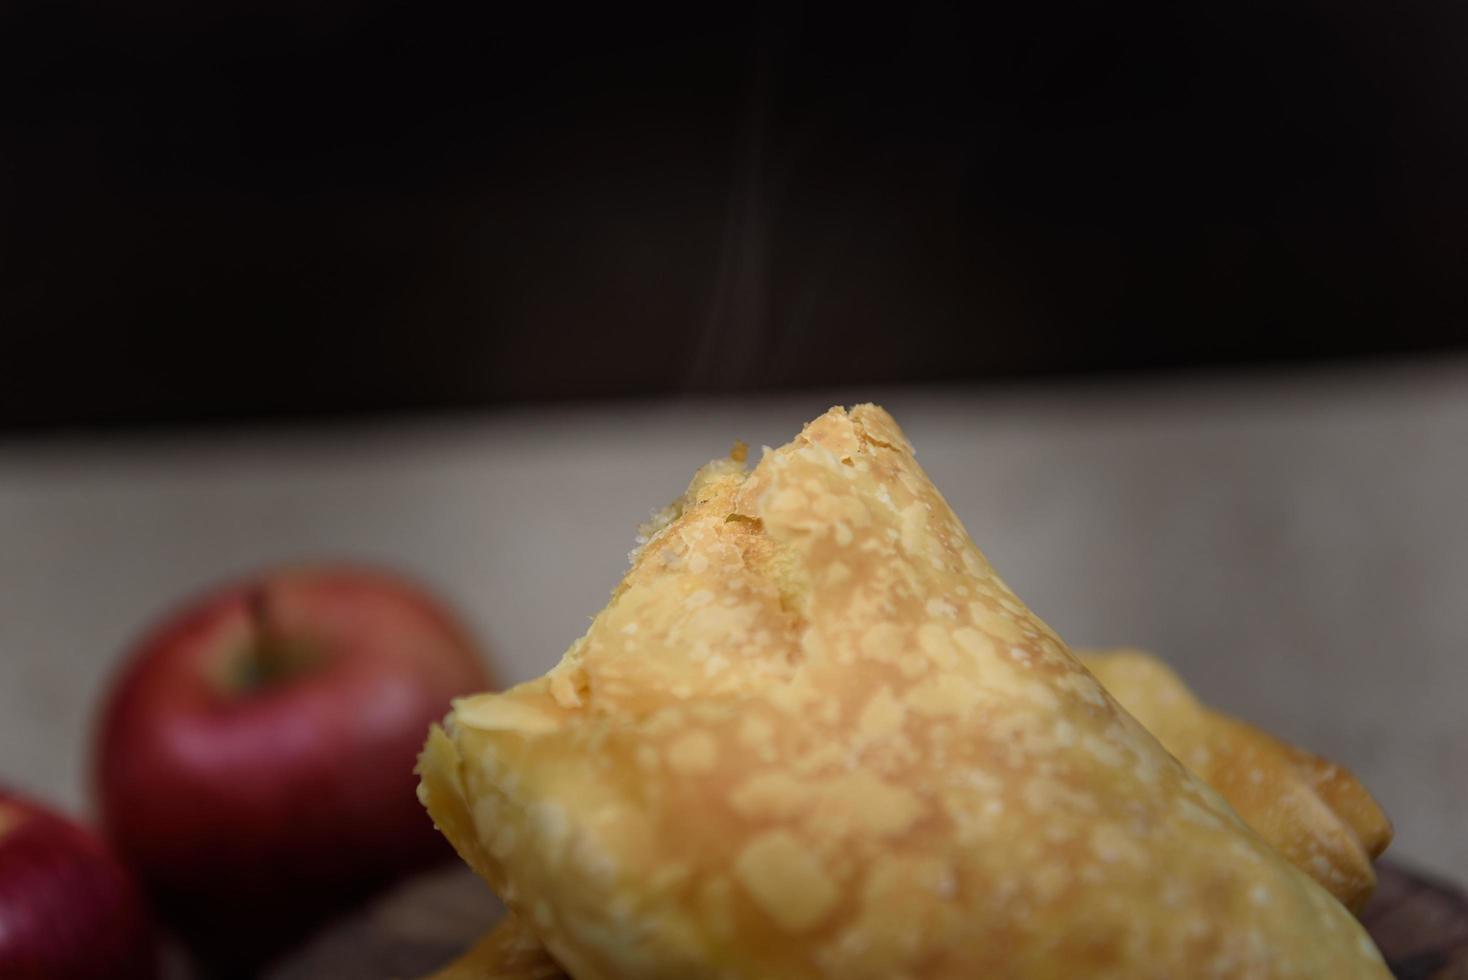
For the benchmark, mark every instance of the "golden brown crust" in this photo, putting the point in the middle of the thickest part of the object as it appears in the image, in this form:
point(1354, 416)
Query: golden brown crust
point(1260, 776)
point(814, 735)
point(1314, 813)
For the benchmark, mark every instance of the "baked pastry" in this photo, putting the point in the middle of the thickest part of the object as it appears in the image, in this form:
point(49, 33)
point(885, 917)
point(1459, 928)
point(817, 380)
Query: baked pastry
point(813, 735)
point(1313, 812)
point(1318, 816)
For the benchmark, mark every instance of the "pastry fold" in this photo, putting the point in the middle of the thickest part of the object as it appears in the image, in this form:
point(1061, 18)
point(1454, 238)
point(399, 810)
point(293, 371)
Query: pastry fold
point(1315, 813)
point(813, 735)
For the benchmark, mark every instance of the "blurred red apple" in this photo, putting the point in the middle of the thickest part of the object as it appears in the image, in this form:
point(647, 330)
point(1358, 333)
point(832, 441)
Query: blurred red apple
point(255, 759)
point(67, 908)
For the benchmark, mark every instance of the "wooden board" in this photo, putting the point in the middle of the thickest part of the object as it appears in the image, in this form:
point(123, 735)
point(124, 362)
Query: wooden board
point(1419, 922)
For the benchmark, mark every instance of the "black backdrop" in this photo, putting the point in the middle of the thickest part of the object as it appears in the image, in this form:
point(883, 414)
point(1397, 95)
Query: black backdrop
point(240, 211)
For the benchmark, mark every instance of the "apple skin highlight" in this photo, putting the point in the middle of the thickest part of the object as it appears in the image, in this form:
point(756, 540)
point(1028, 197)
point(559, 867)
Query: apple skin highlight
point(254, 761)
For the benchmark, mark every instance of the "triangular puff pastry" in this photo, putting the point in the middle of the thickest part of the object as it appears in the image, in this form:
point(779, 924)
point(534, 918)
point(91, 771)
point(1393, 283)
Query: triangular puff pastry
point(813, 735)
point(1313, 812)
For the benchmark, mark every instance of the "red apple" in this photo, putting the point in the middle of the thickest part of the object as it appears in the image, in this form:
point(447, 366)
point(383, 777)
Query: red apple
point(68, 909)
point(255, 758)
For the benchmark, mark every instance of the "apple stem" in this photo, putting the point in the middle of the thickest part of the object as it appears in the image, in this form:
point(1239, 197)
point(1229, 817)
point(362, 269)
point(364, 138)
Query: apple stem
point(271, 657)
point(258, 602)
point(269, 649)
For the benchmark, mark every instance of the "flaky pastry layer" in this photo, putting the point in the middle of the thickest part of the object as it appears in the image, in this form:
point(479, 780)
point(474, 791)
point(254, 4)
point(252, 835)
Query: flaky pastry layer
point(813, 735)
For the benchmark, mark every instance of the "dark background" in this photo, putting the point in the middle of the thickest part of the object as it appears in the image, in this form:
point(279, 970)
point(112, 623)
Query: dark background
point(238, 211)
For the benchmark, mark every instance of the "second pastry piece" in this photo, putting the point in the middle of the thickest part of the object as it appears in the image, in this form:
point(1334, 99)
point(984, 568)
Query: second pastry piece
point(813, 735)
point(1313, 812)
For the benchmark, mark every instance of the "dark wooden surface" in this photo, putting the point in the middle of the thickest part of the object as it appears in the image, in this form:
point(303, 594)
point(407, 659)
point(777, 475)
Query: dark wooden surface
point(1419, 922)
